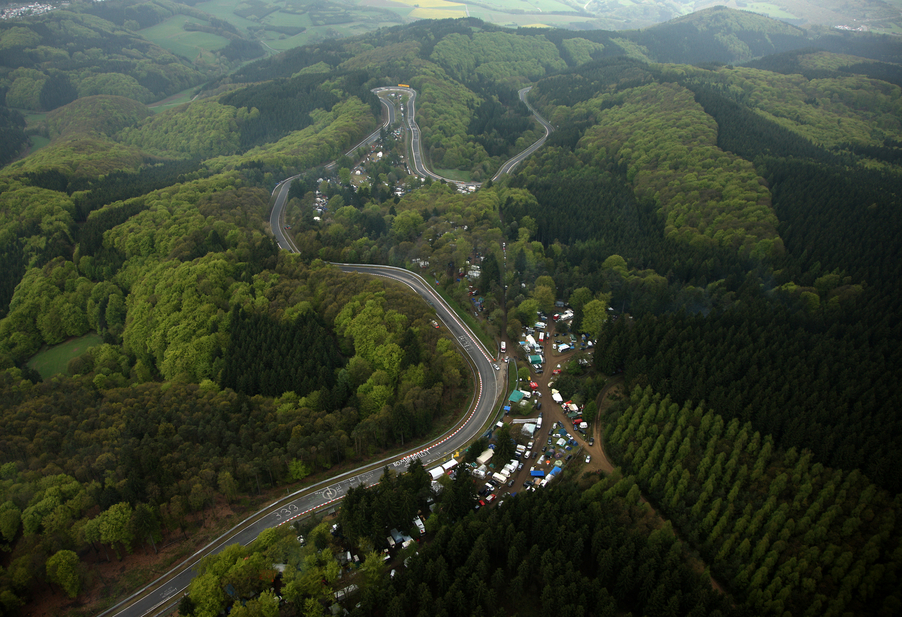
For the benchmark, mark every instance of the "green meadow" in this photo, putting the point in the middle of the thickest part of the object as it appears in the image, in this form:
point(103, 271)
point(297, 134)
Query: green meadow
point(53, 360)
point(171, 35)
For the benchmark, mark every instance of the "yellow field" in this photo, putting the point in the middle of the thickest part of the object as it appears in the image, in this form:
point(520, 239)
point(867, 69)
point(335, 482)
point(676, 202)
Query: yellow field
point(429, 4)
point(435, 13)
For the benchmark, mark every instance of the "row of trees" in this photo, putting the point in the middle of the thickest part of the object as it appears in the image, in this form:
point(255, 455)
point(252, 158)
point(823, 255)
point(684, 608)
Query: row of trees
point(756, 364)
point(569, 550)
point(786, 532)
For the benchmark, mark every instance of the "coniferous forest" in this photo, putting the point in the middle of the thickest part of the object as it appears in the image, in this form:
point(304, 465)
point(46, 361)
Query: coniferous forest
point(719, 204)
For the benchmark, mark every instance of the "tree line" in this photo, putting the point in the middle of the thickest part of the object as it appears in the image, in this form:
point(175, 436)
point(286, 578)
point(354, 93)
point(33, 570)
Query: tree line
point(785, 532)
point(577, 548)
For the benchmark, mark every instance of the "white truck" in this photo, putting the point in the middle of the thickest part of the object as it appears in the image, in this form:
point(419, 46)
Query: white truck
point(419, 525)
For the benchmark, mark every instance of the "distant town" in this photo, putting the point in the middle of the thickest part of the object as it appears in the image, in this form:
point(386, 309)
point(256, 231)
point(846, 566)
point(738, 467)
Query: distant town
point(17, 11)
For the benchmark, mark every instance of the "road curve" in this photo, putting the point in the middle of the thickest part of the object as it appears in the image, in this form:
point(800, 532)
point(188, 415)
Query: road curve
point(416, 143)
point(509, 166)
point(416, 151)
point(163, 594)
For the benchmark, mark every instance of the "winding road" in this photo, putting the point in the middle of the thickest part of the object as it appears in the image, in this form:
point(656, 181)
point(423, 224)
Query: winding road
point(416, 143)
point(163, 594)
point(516, 160)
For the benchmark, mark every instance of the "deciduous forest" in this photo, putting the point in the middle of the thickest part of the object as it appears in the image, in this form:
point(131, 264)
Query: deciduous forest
point(718, 204)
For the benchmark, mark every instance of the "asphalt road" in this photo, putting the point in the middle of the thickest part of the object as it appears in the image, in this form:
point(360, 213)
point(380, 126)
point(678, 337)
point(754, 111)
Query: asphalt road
point(416, 151)
point(416, 143)
point(509, 166)
point(163, 594)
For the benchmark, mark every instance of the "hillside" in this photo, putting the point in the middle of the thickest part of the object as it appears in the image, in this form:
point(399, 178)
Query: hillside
point(726, 233)
point(52, 60)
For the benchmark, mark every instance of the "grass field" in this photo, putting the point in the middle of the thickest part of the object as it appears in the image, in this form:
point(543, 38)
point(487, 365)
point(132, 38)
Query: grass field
point(771, 10)
point(224, 10)
point(448, 12)
point(172, 36)
point(176, 99)
point(38, 142)
point(454, 174)
point(53, 360)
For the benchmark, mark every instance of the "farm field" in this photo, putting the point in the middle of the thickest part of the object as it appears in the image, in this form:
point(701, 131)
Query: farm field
point(271, 22)
point(319, 20)
point(171, 35)
point(53, 360)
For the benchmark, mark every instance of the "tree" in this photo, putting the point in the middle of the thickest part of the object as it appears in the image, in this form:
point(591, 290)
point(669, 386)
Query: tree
point(297, 470)
point(490, 273)
point(505, 447)
point(115, 527)
point(227, 486)
point(528, 309)
point(146, 524)
point(186, 606)
point(10, 518)
point(476, 448)
point(544, 296)
point(580, 298)
point(514, 327)
point(594, 316)
point(63, 568)
point(208, 595)
point(372, 570)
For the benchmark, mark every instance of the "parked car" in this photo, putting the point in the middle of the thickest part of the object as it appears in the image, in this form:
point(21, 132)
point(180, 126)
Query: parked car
point(591, 441)
point(588, 458)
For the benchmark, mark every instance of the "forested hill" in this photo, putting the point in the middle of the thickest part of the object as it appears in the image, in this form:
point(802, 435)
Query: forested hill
point(728, 235)
point(52, 59)
point(742, 168)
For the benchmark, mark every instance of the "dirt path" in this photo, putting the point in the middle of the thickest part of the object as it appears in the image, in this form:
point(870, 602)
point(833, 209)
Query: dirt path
point(612, 391)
